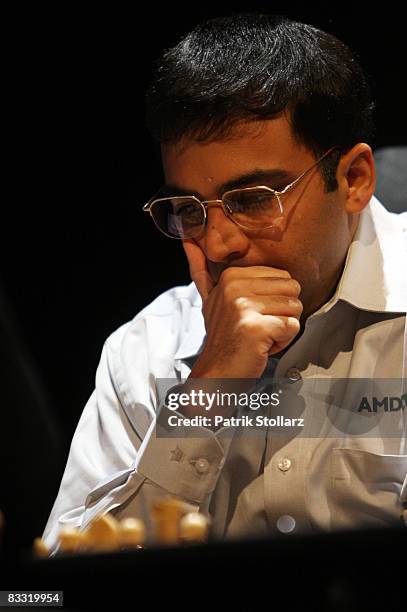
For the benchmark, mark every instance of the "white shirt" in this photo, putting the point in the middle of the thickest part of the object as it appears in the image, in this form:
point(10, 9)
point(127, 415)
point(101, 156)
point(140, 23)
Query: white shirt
point(249, 484)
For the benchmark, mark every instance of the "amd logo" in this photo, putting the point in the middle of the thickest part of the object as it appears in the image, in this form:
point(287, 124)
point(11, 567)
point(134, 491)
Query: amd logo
point(387, 404)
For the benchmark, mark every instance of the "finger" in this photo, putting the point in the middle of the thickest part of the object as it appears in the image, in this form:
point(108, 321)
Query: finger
point(265, 286)
point(278, 305)
point(198, 268)
point(284, 330)
point(254, 272)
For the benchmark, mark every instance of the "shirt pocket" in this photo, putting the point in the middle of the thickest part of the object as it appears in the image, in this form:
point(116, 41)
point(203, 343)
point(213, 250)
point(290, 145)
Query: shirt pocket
point(365, 488)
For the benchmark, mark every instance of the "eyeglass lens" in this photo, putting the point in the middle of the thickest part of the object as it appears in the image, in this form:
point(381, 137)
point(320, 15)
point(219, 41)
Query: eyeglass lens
point(184, 218)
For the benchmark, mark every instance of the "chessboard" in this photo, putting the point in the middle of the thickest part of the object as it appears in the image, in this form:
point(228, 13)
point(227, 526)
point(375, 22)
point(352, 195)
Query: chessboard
point(112, 565)
point(174, 524)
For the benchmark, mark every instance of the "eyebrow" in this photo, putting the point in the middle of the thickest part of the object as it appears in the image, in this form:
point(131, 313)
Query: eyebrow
point(257, 176)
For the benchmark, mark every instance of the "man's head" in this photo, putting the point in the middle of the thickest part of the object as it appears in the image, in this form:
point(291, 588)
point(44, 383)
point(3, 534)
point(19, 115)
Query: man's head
point(258, 92)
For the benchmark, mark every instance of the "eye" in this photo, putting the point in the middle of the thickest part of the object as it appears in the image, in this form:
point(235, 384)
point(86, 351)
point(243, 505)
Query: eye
point(185, 209)
point(252, 202)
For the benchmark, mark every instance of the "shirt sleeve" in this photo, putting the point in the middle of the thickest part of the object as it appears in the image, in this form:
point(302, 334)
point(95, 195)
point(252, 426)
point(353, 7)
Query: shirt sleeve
point(187, 465)
point(119, 450)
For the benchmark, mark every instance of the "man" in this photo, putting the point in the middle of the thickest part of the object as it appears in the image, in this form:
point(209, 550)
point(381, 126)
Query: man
point(298, 273)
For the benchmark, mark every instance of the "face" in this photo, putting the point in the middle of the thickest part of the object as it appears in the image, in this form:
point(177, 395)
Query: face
point(312, 237)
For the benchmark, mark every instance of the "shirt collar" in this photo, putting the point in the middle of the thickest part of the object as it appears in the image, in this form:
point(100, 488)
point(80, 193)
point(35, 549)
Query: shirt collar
point(374, 276)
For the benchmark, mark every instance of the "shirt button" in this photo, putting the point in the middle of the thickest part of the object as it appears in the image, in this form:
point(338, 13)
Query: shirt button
point(286, 524)
point(284, 464)
point(293, 374)
point(202, 466)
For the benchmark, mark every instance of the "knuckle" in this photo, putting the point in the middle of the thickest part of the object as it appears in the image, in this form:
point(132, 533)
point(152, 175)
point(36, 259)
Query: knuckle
point(283, 274)
point(296, 285)
point(296, 304)
point(287, 326)
point(242, 303)
point(226, 276)
point(293, 326)
point(283, 323)
point(250, 324)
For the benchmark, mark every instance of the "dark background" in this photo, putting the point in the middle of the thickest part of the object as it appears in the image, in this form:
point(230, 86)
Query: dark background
point(79, 258)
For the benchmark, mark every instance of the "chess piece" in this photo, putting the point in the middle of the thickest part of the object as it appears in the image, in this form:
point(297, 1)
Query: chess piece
point(101, 535)
point(194, 527)
point(70, 539)
point(132, 533)
point(40, 549)
point(166, 514)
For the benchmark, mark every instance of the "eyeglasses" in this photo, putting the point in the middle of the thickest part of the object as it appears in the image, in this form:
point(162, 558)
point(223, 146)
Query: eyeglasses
point(252, 208)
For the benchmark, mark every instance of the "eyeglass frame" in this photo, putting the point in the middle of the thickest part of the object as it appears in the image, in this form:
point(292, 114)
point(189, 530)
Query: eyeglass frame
point(227, 212)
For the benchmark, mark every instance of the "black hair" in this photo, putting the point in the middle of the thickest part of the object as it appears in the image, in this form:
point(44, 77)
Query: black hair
point(252, 66)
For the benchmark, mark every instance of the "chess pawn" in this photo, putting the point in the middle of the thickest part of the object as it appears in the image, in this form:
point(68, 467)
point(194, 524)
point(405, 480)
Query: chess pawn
point(166, 515)
point(102, 535)
point(132, 533)
point(40, 549)
point(70, 539)
point(194, 527)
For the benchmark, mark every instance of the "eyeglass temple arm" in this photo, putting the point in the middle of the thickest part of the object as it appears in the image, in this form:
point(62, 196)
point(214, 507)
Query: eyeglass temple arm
point(304, 173)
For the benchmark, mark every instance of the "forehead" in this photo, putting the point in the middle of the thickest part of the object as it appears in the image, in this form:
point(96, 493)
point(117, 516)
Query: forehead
point(263, 144)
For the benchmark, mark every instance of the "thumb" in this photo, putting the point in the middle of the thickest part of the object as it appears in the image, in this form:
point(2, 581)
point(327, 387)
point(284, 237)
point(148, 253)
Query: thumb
point(198, 268)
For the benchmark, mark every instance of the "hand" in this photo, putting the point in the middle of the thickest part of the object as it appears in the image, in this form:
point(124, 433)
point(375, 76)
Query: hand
point(251, 313)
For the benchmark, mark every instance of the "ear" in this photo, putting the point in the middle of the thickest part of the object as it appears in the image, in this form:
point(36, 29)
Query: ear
point(356, 175)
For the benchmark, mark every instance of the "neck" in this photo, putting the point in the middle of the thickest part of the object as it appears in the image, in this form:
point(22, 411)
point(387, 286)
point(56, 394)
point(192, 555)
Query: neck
point(325, 295)
point(314, 306)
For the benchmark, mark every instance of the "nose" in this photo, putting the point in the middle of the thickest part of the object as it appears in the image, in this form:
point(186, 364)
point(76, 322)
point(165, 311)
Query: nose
point(222, 240)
